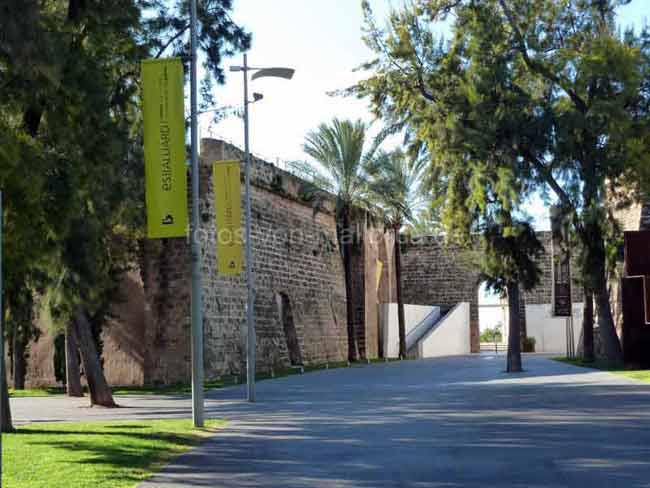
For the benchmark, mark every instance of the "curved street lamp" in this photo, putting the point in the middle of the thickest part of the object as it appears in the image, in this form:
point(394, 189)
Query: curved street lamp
point(275, 72)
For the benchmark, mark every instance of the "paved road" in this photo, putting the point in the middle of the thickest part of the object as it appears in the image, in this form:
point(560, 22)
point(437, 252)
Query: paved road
point(451, 422)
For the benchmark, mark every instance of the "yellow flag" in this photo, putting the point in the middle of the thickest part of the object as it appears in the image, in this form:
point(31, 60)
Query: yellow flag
point(380, 268)
point(227, 202)
point(164, 148)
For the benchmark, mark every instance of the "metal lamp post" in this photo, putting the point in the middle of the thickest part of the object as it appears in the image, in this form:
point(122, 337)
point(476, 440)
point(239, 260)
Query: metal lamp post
point(197, 299)
point(287, 74)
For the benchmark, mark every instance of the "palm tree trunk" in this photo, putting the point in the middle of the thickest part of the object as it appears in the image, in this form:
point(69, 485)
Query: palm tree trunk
point(100, 392)
point(346, 242)
point(588, 327)
point(398, 290)
point(72, 372)
point(514, 333)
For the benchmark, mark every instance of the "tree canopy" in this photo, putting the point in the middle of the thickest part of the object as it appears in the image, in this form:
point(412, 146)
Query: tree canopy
point(533, 96)
point(71, 164)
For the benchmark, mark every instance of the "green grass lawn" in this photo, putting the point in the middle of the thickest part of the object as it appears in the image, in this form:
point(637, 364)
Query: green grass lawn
point(36, 392)
point(178, 389)
point(182, 389)
point(615, 368)
point(94, 455)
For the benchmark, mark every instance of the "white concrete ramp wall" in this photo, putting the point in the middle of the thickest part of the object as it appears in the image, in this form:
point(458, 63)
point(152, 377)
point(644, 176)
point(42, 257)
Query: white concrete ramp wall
point(550, 332)
point(413, 315)
point(450, 336)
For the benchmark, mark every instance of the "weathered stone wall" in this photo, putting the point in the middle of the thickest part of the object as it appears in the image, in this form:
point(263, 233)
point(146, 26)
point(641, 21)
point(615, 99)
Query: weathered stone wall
point(295, 253)
point(296, 263)
point(434, 273)
point(165, 270)
point(630, 217)
point(376, 245)
point(543, 293)
point(123, 336)
point(40, 360)
point(123, 339)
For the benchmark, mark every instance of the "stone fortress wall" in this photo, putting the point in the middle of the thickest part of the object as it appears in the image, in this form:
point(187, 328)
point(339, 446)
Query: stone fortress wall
point(300, 301)
point(443, 274)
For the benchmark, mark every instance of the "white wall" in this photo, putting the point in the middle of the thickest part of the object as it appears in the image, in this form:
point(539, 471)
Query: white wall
point(450, 337)
point(413, 315)
point(550, 332)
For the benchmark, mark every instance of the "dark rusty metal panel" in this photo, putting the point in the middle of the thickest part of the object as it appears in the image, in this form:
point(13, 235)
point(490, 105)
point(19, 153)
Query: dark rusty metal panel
point(637, 253)
point(636, 334)
point(561, 263)
point(646, 296)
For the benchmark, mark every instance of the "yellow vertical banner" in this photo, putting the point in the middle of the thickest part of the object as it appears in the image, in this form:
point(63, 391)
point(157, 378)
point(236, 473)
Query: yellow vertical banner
point(227, 202)
point(380, 268)
point(164, 148)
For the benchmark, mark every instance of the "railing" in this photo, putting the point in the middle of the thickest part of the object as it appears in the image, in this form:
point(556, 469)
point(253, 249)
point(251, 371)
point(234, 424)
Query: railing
point(425, 325)
point(495, 347)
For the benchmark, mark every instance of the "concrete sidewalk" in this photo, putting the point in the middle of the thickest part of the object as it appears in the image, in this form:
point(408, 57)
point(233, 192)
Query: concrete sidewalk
point(452, 422)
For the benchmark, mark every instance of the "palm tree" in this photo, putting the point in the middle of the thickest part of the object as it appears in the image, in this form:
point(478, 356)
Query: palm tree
point(426, 222)
point(340, 170)
point(397, 190)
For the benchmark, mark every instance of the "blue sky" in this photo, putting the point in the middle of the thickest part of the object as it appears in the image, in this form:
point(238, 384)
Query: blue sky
point(321, 39)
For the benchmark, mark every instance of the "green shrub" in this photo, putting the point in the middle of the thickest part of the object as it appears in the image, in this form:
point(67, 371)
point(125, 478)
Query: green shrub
point(491, 335)
point(529, 344)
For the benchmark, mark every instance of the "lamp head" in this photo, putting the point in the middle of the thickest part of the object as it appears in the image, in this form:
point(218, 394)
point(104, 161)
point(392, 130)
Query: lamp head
point(286, 73)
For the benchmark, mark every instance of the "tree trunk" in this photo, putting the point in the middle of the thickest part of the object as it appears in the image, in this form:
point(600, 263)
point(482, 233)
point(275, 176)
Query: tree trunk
point(514, 333)
point(594, 263)
point(398, 289)
point(19, 364)
point(346, 243)
point(606, 326)
point(523, 330)
point(72, 372)
point(588, 327)
point(597, 276)
point(100, 392)
point(5, 421)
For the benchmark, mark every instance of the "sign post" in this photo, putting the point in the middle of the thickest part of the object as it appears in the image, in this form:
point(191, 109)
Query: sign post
point(166, 178)
point(562, 306)
point(197, 298)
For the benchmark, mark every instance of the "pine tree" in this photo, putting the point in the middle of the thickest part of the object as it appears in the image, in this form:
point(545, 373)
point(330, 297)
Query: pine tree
point(70, 142)
point(549, 85)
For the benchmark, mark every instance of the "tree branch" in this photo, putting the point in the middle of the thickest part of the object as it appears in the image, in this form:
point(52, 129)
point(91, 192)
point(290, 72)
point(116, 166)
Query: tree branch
point(172, 39)
point(546, 174)
point(539, 67)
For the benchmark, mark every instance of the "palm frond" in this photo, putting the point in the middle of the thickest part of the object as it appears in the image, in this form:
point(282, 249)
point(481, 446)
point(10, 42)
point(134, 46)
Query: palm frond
point(338, 152)
point(396, 185)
